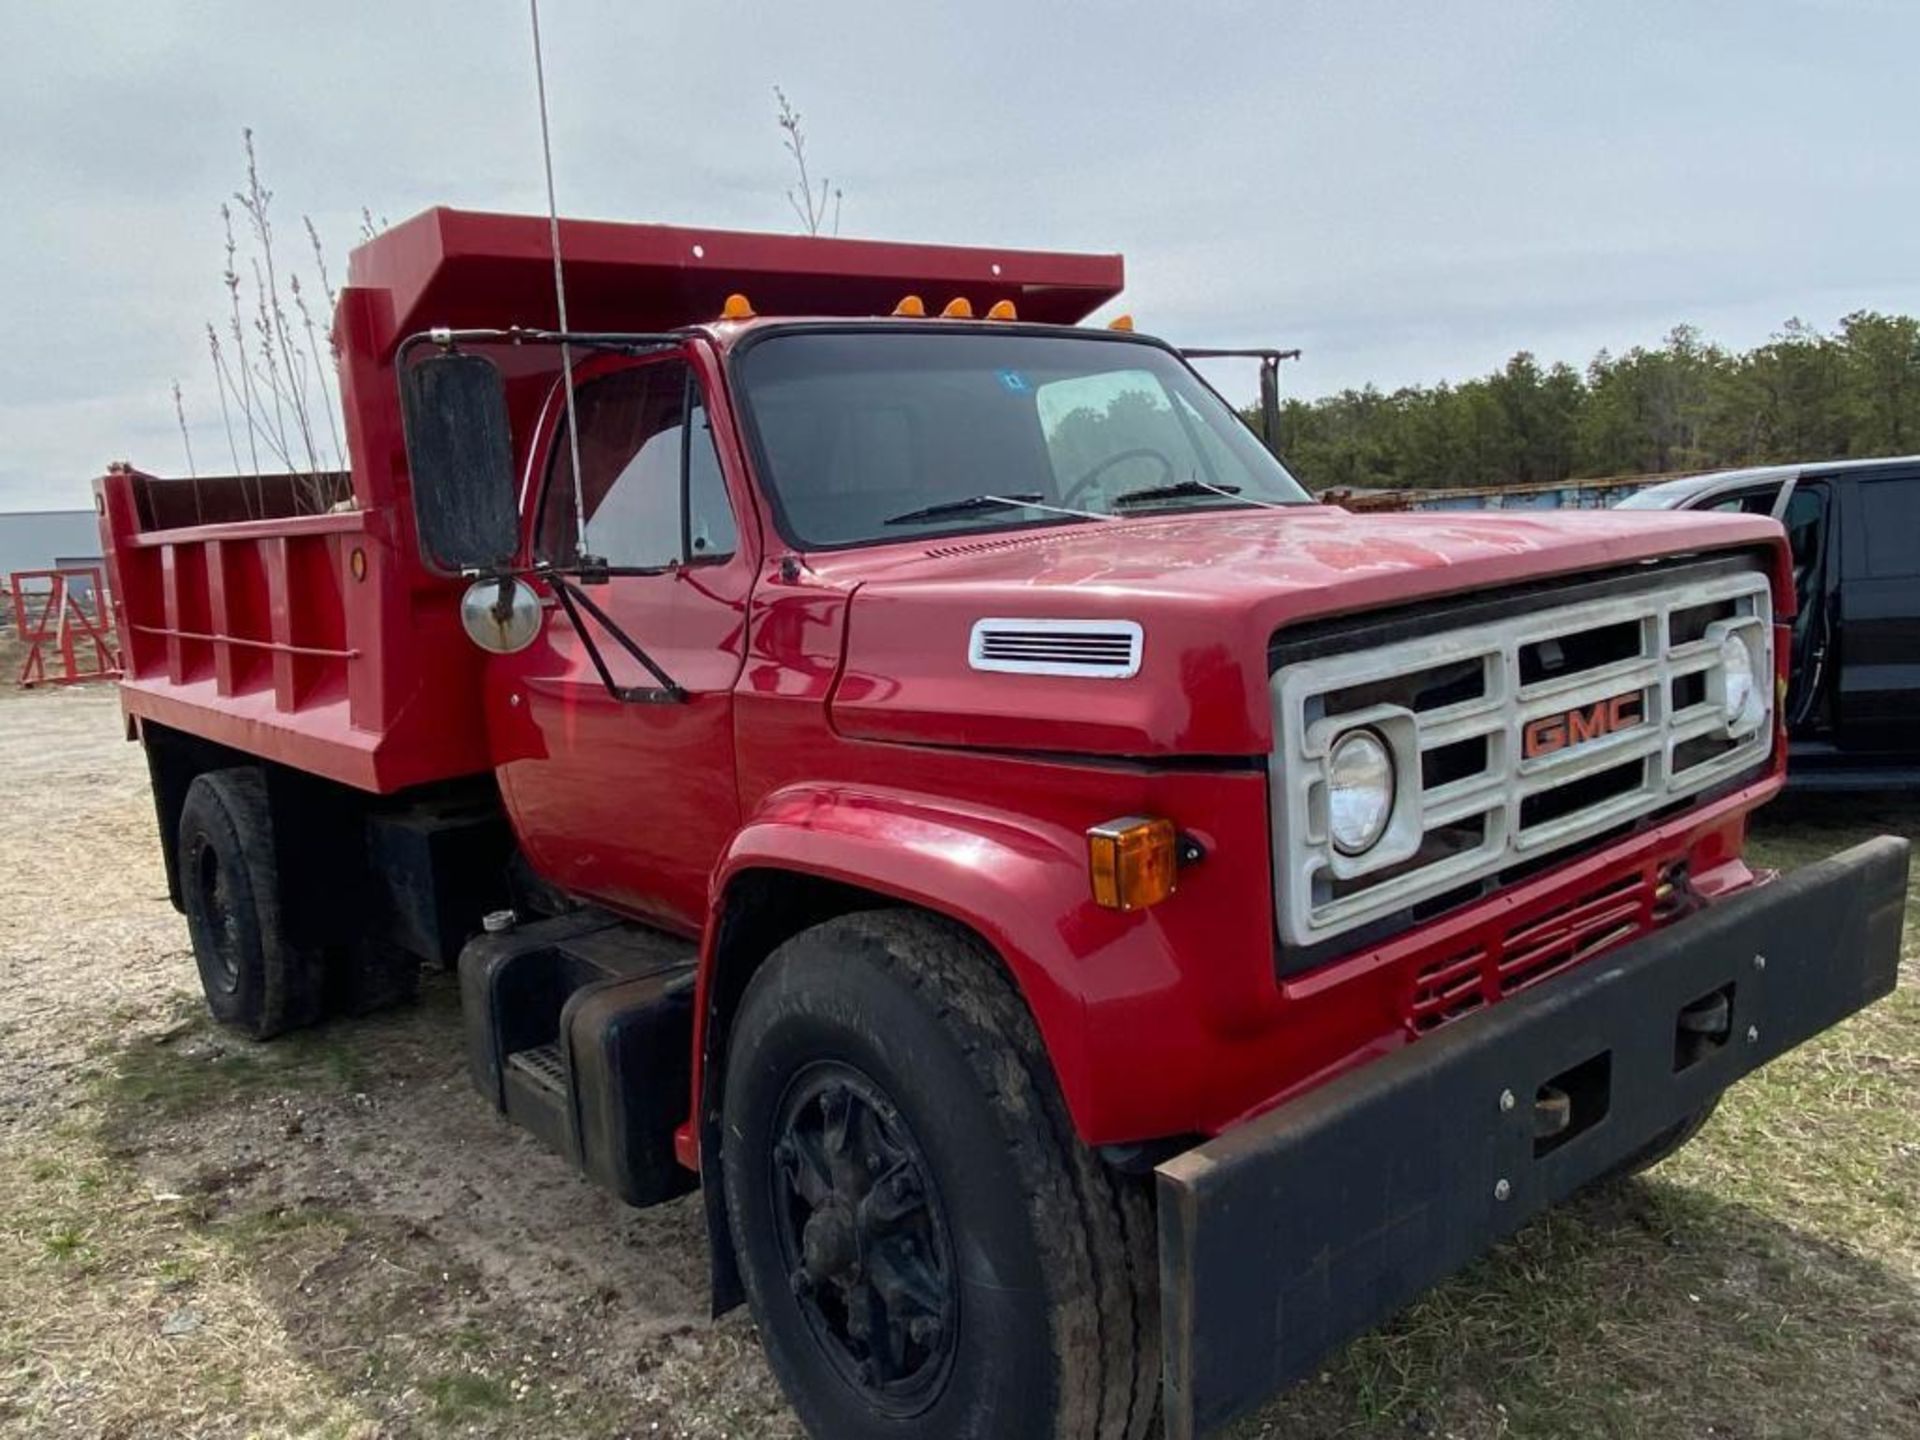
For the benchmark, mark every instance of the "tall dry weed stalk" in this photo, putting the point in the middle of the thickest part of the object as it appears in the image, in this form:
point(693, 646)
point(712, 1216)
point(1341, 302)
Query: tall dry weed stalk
point(274, 373)
point(813, 210)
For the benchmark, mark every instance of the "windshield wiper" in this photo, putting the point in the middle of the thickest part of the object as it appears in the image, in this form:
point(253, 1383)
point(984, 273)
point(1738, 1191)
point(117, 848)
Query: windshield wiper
point(971, 503)
point(1177, 490)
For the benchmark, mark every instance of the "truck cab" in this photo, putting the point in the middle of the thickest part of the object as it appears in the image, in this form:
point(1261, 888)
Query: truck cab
point(1097, 927)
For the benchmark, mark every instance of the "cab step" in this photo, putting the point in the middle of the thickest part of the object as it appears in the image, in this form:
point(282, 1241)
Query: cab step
point(580, 1029)
point(543, 1066)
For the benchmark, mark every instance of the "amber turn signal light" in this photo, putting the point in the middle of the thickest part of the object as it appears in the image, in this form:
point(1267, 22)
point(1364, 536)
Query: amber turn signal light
point(1133, 862)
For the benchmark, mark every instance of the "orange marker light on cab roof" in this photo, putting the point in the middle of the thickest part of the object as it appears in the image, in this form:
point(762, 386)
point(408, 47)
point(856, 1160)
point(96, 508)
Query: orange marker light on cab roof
point(1133, 862)
point(958, 308)
point(911, 307)
point(1002, 310)
point(738, 307)
point(1121, 322)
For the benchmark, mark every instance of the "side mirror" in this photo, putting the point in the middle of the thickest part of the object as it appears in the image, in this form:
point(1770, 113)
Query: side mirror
point(460, 457)
point(502, 616)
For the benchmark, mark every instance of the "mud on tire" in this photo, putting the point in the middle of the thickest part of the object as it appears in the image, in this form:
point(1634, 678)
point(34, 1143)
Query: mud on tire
point(891, 1044)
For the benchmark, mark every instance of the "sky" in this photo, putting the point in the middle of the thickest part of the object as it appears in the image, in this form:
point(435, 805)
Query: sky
point(1408, 192)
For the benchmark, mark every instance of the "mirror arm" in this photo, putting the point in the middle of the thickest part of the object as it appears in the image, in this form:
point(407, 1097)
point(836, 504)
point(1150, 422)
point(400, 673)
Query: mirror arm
point(1269, 429)
point(619, 342)
point(503, 601)
point(573, 599)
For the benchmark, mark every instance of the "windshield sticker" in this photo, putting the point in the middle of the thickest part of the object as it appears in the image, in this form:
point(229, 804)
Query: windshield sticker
point(1016, 383)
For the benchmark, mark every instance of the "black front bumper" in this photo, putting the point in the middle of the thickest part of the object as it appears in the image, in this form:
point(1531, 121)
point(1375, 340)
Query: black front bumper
point(1291, 1234)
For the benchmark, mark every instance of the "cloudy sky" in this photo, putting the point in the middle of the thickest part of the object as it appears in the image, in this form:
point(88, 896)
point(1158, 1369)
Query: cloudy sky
point(1409, 191)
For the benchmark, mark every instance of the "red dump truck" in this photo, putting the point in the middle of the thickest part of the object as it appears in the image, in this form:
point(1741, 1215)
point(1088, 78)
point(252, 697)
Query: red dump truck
point(1098, 928)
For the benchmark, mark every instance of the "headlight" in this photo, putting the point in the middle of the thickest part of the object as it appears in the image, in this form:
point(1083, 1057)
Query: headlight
point(1739, 696)
point(1359, 791)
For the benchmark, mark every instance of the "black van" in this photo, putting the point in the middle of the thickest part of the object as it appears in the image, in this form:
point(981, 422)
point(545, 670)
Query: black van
point(1853, 699)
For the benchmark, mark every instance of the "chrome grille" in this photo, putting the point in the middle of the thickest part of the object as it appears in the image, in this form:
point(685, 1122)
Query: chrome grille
point(1511, 740)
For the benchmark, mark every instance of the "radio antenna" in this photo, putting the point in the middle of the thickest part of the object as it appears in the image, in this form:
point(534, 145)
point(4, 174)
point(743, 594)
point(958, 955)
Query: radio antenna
point(585, 554)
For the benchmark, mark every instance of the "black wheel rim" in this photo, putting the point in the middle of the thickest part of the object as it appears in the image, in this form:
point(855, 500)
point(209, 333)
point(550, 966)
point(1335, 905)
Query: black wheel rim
point(222, 940)
point(864, 1238)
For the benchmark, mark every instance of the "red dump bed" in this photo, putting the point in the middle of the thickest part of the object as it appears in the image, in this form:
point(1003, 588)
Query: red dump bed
point(291, 617)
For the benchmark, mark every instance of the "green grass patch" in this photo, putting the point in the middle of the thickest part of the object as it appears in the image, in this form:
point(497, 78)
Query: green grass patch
point(67, 1242)
point(466, 1396)
point(179, 1073)
point(255, 1232)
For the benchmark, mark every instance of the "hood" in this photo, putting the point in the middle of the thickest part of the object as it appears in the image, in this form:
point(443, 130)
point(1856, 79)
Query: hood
point(1209, 590)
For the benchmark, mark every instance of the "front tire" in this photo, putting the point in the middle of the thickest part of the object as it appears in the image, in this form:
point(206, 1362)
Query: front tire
point(928, 1249)
point(1673, 1139)
point(253, 979)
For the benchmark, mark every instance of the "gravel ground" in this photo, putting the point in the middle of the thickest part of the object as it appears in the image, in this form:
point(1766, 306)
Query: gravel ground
point(332, 1235)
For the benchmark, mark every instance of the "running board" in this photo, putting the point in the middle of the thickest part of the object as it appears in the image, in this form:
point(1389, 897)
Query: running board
point(580, 1029)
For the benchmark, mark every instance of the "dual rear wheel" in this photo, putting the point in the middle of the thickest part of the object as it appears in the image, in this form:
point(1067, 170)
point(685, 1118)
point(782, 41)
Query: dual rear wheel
point(258, 976)
point(254, 979)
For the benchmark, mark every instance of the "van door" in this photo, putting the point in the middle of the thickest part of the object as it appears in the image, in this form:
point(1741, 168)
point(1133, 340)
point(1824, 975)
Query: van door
point(1804, 510)
point(1877, 626)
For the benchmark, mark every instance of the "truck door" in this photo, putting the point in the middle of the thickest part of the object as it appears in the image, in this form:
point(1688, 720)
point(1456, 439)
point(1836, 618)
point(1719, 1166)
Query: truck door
point(621, 800)
point(1878, 614)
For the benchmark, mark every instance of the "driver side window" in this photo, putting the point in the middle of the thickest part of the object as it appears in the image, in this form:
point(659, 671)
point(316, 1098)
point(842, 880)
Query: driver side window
point(652, 488)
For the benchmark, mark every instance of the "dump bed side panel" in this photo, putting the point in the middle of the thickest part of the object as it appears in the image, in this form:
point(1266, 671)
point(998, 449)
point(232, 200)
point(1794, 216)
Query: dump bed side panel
point(305, 630)
point(299, 640)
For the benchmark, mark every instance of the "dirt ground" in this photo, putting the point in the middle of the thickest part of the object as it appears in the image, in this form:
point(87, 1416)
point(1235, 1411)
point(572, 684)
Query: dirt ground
point(334, 1236)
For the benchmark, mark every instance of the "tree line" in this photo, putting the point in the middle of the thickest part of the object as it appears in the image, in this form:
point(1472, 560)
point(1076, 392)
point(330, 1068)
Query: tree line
point(1684, 405)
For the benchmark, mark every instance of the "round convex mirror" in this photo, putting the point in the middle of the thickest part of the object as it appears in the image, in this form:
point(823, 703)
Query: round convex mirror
point(500, 615)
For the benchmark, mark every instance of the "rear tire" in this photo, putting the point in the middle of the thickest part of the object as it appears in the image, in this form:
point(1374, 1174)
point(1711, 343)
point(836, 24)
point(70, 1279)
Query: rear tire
point(928, 1248)
point(253, 979)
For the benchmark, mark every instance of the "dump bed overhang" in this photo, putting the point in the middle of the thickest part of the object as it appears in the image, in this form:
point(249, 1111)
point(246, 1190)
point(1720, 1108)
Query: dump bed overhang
point(469, 268)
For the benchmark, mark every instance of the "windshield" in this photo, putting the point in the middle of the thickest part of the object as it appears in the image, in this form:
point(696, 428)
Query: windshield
point(882, 435)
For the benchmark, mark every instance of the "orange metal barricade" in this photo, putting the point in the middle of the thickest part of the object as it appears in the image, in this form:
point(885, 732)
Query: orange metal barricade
point(62, 615)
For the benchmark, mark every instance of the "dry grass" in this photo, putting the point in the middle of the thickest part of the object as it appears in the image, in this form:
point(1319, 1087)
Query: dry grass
point(126, 1316)
point(331, 1236)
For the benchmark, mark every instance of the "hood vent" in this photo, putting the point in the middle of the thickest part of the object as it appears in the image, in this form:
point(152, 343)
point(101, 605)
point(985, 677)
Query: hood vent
point(1095, 649)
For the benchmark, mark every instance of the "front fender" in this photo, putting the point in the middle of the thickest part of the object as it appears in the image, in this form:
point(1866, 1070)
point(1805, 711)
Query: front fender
point(1158, 1022)
point(1020, 883)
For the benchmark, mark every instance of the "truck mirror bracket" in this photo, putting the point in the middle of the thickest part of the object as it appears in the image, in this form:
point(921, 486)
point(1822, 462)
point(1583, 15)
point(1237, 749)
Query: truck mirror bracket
point(573, 600)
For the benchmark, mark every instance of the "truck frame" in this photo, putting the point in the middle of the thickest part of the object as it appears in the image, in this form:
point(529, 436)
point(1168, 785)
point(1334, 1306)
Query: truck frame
point(1098, 928)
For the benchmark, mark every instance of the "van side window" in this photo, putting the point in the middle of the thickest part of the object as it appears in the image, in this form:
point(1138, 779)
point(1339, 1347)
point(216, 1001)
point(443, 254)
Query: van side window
point(1891, 509)
point(644, 468)
point(1747, 502)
